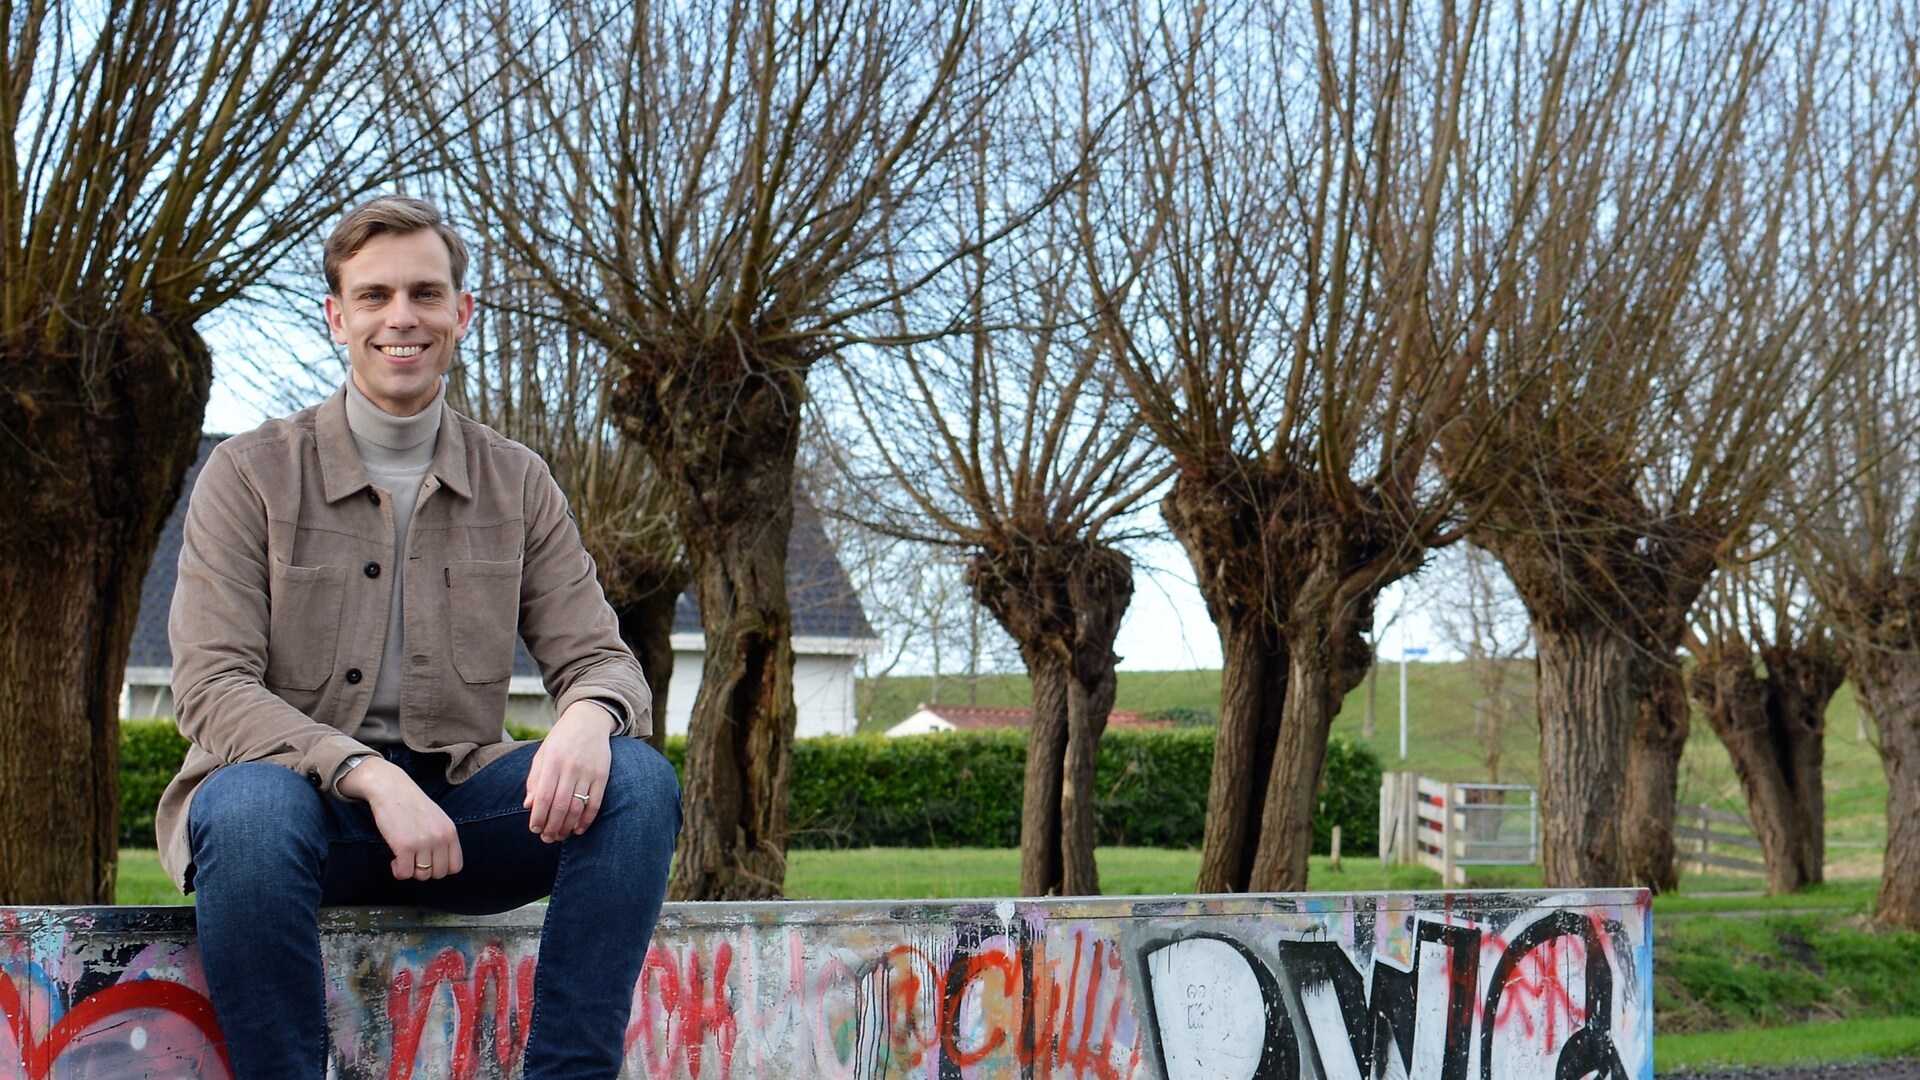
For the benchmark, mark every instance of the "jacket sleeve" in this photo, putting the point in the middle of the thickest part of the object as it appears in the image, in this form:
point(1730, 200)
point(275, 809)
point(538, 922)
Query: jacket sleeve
point(218, 630)
point(565, 620)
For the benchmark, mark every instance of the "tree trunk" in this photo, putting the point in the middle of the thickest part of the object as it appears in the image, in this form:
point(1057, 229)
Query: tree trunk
point(90, 473)
point(1290, 580)
point(1774, 727)
point(1087, 710)
point(1061, 601)
point(1888, 681)
point(1608, 609)
point(646, 625)
point(1041, 872)
point(1586, 684)
point(1661, 723)
point(722, 422)
point(1293, 780)
point(1253, 688)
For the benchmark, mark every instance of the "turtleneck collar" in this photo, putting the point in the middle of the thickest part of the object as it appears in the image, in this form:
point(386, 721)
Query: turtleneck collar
point(384, 438)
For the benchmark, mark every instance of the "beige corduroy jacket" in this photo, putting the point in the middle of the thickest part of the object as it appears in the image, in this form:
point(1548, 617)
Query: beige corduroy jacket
point(280, 615)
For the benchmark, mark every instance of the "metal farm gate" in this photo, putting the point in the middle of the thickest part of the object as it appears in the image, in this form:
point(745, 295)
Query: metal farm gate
point(1450, 826)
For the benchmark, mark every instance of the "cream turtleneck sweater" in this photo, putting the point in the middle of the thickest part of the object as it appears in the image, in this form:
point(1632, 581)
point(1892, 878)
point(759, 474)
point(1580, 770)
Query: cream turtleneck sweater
point(396, 451)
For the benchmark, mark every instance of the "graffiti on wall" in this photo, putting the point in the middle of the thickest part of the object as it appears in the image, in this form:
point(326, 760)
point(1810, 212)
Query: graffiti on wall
point(1460, 986)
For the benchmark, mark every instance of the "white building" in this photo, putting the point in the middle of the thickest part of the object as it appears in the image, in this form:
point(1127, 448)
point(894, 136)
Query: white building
point(928, 719)
point(830, 633)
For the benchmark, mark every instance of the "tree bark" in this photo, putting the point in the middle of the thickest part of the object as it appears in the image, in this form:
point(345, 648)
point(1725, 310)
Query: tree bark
point(1586, 687)
point(1661, 722)
point(1293, 780)
point(722, 422)
point(1608, 609)
point(90, 472)
point(1061, 601)
point(1774, 729)
point(1889, 685)
point(1881, 617)
point(1253, 690)
point(646, 625)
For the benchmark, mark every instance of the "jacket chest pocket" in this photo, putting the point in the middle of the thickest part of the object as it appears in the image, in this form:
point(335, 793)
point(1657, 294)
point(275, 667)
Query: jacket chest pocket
point(303, 623)
point(483, 603)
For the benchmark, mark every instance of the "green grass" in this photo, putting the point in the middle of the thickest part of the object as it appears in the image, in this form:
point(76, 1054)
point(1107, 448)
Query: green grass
point(1772, 971)
point(1804, 1044)
point(142, 882)
point(916, 873)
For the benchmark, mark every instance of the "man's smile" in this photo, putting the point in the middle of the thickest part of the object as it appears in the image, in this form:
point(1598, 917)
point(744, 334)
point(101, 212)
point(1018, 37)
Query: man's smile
point(401, 351)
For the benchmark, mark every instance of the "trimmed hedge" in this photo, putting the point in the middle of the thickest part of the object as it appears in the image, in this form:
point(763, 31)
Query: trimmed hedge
point(946, 790)
point(150, 754)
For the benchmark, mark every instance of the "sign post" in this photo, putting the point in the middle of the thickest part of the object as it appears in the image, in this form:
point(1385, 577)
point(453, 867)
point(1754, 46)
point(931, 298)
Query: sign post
point(1404, 653)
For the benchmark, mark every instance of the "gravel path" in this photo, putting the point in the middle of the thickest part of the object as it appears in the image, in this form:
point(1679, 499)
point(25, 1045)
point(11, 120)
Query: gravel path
point(1903, 1069)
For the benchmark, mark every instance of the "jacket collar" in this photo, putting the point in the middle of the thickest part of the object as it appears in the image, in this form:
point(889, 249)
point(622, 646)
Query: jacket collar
point(342, 474)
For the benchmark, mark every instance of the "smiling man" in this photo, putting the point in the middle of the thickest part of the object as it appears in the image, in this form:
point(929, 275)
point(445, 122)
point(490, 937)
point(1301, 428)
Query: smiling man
point(352, 581)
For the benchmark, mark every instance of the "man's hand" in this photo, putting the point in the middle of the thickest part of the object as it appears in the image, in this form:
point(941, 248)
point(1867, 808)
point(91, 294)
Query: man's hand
point(420, 834)
point(569, 773)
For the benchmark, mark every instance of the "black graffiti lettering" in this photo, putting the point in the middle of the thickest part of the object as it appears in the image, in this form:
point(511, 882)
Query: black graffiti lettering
point(1588, 1051)
point(1384, 1020)
point(1280, 1051)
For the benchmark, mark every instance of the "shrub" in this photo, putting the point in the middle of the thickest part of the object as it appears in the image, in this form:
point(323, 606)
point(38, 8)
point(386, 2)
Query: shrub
point(1181, 716)
point(947, 790)
point(150, 754)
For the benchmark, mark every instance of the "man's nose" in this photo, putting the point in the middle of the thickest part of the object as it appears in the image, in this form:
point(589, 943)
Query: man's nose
point(402, 313)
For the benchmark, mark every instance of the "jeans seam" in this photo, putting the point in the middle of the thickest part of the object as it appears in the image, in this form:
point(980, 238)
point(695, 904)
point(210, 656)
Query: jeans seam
point(469, 819)
point(533, 1020)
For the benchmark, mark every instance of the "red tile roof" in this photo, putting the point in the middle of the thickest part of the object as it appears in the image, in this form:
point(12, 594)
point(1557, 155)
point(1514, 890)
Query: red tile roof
point(985, 717)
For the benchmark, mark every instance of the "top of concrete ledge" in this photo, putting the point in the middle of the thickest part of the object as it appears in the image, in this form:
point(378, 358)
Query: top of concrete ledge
point(114, 919)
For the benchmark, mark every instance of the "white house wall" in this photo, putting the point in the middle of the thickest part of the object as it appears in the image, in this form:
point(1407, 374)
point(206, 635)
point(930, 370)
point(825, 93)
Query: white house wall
point(823, 689)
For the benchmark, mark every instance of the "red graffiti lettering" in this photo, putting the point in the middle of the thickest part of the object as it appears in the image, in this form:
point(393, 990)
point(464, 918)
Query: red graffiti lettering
point(677, 1027)
point(1538, 986)
point(977, 965)
point(111, 1004)
point(407, 1010)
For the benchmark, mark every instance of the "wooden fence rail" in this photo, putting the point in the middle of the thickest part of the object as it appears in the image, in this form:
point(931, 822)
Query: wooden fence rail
point(1694, 837)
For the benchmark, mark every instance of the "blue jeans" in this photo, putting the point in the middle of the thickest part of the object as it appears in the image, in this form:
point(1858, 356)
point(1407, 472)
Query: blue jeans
point(269, 850)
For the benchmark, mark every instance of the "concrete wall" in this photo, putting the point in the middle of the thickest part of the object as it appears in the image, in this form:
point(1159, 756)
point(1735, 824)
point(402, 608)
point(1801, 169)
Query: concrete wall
point(1487, 985)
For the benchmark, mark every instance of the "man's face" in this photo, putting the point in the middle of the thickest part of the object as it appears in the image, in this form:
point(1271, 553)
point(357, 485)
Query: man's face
point(399, 316)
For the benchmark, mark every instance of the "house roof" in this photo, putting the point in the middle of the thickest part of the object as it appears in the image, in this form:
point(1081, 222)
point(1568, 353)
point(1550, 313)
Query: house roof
point(822, 596)
point(986, 717)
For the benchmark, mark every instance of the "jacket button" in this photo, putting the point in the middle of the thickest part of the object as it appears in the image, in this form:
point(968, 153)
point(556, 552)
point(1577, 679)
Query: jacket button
point(373, 497)
point(373, 569)
point(313, 777)
point(353, 675)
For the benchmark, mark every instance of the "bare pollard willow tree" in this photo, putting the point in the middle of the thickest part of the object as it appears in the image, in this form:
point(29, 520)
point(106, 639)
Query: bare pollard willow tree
point(1860, 542)
point(155, 158)
point(1765, 667)
point(1697, 195)
point(1014, 442)
point(1298, 264)
point(525, 373)
point(721, 184)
